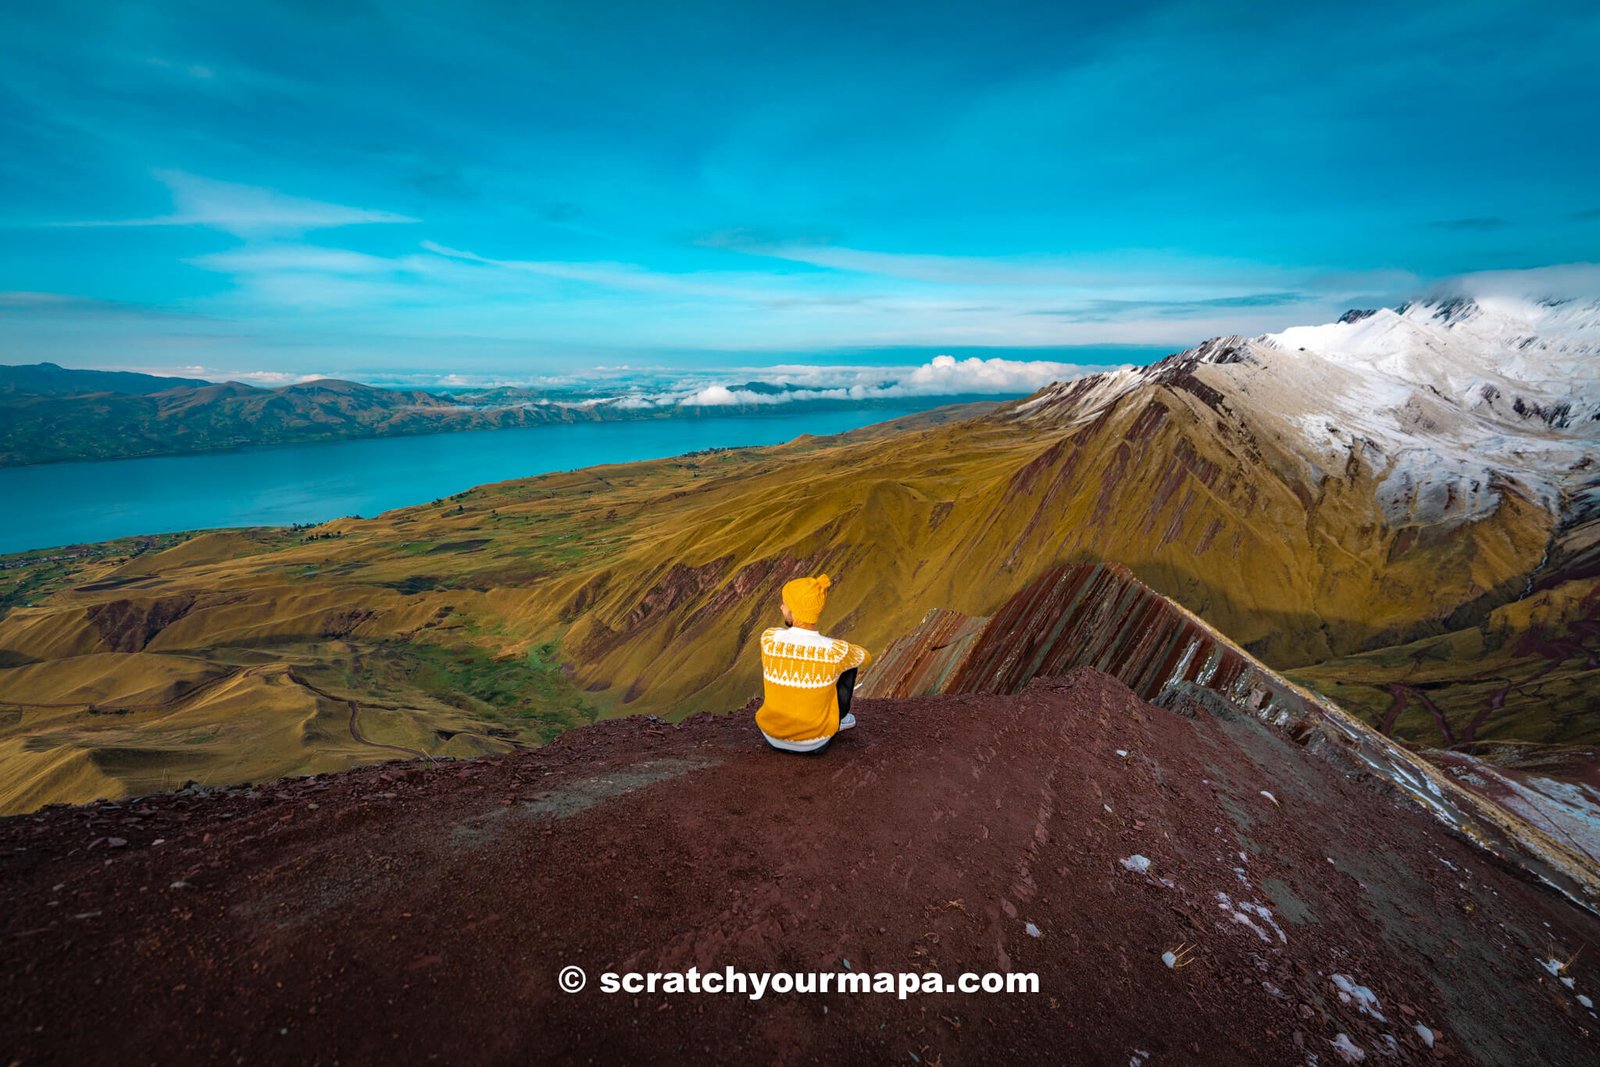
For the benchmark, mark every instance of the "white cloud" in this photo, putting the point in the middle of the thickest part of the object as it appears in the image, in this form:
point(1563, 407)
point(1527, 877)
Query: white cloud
point(941, 376)
point(22, 298)
point(1130, 273)
point(245, 210)
point(266, 378)
point(945, 374)
point(1565, 281)
point(271, 377)
point(625, 276)
point(915, 267)
point(624, 389)
point(260, 259)
point(719, 396)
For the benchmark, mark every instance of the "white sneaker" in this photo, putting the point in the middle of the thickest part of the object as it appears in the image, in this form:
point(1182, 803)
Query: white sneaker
point(848, 722)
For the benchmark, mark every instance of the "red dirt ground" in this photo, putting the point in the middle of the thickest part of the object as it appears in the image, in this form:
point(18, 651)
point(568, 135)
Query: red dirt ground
point(412, 914)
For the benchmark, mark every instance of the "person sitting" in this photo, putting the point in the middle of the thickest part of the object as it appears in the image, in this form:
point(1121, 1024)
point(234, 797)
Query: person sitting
point(807, 677)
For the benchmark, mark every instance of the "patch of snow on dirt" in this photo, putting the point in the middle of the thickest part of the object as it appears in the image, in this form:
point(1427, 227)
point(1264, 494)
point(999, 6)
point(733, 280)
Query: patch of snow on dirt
point(1349, 1050)
point(1359, 995)
point(1241, 913)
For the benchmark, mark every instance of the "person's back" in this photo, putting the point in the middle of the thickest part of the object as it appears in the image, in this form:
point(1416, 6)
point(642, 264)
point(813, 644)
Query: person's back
point(805, 674)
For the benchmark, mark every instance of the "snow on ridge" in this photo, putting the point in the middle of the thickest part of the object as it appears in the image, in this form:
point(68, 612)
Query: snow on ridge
point(1454, 397)
point(1547, 348)
point(1450, 401)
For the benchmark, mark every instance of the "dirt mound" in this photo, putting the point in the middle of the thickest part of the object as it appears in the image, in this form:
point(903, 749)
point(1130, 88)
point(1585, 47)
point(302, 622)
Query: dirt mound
point(412, 913)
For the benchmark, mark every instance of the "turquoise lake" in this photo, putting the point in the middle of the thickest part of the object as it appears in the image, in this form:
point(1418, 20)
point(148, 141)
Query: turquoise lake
point(67, 503)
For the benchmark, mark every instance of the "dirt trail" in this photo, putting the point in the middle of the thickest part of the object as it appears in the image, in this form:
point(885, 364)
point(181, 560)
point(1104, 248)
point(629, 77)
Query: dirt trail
point(355, 733)
point(411, 914)
point(355, 713)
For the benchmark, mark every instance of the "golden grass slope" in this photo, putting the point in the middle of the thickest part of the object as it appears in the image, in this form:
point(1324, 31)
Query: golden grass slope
point(234, 727)
point(515, 610)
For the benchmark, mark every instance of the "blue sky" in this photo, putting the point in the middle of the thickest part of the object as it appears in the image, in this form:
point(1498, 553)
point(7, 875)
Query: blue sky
point(518, 189)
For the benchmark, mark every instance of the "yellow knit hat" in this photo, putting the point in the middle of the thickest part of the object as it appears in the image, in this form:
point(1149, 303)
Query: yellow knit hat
point(806, 597)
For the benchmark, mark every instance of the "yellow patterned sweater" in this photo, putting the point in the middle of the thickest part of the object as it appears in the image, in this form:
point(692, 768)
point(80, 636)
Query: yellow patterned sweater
point(800, 671)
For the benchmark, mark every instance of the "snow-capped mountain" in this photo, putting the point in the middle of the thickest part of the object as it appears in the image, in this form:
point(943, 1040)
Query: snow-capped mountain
point(1520, 360)
point(1448, 402)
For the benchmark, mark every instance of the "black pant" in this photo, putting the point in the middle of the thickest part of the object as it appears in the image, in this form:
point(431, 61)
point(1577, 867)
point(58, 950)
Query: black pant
point(847, 688)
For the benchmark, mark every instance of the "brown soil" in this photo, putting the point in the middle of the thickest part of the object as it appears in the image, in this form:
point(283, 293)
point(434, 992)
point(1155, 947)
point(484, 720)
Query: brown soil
point(413, 913)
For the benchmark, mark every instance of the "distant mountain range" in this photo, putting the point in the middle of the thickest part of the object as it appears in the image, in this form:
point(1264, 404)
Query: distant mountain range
point(50, 413)
point(50, 379)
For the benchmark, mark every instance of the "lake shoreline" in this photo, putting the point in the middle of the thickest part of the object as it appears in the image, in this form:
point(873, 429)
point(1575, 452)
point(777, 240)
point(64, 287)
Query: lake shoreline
point(77, 503)
point(685, 415)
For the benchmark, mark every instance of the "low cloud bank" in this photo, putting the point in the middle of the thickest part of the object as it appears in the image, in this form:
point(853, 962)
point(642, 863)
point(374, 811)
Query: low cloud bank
point(941, 376)
point(624, 388)
point(1563, 281)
